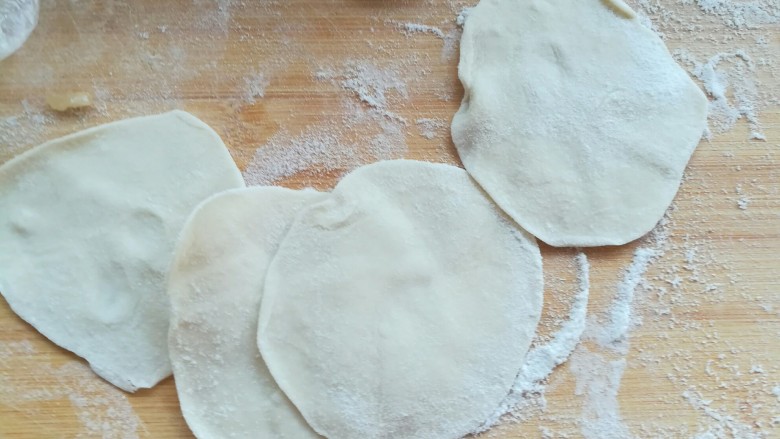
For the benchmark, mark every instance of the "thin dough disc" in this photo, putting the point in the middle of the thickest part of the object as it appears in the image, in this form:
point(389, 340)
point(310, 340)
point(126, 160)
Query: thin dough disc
point(576, 120)
point(88, 225)
point(215, 285)
point(402, 306)
point(18, 19)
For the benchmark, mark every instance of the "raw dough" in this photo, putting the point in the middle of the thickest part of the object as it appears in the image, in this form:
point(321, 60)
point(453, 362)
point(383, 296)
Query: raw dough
point(576, 120)
point(215, 285)
point(18, 18)
point(402, 306)
point(69, 101)
point(88, 225)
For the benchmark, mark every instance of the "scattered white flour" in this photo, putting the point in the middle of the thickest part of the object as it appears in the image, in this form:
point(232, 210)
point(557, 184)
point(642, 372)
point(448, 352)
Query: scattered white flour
point(254, 87)
point(597, 375)
point(103, 410)
point(666, 302)
point(431, 128)
point(285, 155)
point(218, 16)
point(598, 381)
point(325, 149)
point(332, 147)
point(725, 44)
point(451, 38)
point(451, 44)
point(371, 84)
point(613, 332)
point(11, 348)
point(743, 201)
point(734, 77)
point(742, 14)
point(542, 360)
point(725, 425)
point(460, 20)
point(22, 130)
point(413, 28)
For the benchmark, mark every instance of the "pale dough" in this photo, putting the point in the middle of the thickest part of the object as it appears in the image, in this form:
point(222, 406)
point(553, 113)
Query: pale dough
point(576, 119)
point(215, 285)
point(18, 19)
point(88, 225)
point(402, 306)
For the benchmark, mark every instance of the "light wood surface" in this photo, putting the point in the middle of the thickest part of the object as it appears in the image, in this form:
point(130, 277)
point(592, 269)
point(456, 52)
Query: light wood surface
point(714, 335)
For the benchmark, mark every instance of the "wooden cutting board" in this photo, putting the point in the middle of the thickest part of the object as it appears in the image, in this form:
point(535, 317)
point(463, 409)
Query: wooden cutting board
point(315, 76)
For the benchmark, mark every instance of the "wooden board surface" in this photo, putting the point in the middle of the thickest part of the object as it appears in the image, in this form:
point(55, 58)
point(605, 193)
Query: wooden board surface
point(296, 76)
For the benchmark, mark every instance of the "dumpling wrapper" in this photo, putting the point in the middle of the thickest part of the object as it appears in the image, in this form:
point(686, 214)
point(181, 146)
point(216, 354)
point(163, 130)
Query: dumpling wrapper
point(215, 286)
point(576, 119)
point(88, 224)
point(401, 306)
point(18, 19)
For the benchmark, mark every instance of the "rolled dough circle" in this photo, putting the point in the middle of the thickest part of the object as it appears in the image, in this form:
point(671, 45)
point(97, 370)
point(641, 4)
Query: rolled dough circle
point(18, 19)
point(215, 285)
point(401, 306)
point(88, 224)
point(576, 119)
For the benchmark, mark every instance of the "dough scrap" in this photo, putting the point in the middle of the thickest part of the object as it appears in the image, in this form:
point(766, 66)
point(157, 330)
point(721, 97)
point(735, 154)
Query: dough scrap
point(88, 224)
point(576, 119)
point(69, 101)
point(215, 286)
point(401, 306)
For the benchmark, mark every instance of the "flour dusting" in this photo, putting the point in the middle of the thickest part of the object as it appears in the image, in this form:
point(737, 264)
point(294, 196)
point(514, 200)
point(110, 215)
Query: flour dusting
point(331, 147)
point(598, 375)
point(541, 360)
point(725, 44)
point(726, 73)
point(413, 28)
point(613, 332)
point(598, 381)
point(431, 128)
point(742, 14)
point(102, 410)
point(285, 155)
point(254, 87)
point(371, 84)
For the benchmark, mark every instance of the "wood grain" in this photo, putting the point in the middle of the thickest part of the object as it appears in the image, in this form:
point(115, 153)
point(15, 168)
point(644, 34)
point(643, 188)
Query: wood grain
point(147, 56)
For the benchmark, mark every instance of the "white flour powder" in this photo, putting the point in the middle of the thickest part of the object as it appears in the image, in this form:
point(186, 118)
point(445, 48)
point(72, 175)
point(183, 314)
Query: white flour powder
point(102, 410)
point(542, 359)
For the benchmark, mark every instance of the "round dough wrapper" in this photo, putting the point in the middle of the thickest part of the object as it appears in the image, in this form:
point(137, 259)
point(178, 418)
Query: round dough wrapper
point(18, 19)
point(576, 119)
point(88, 224)
point(215, 285)
point(401, 306)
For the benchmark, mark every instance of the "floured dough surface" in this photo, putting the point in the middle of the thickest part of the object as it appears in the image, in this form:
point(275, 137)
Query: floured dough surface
point(18, 19)
point(215, 285)
point(401, 306)
point(576, 119)
point(88, 225)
